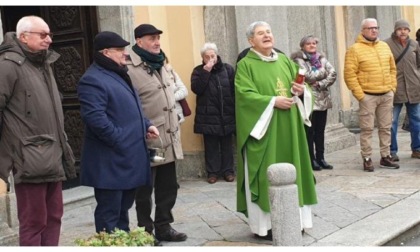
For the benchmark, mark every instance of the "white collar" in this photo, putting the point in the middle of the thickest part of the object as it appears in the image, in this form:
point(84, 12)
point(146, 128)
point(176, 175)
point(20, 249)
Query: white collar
point(274, 56)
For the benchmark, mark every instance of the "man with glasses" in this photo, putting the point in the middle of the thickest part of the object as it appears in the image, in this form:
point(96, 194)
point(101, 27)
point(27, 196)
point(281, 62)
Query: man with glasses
point(407, 55)
point(370, 74)
point(33, 143)
point(114, 160)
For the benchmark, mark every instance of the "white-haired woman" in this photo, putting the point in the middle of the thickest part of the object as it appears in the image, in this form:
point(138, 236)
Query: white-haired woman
point(320, 74)
point(269, 129)
point(212, 82)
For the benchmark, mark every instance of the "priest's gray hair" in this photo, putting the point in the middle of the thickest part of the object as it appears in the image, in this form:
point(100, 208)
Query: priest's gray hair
point(251, 28)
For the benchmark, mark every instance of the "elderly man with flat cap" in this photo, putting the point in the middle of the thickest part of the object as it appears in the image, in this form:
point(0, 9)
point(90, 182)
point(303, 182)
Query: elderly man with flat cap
point(153, 81)
point(406, 53)
point(115, 159)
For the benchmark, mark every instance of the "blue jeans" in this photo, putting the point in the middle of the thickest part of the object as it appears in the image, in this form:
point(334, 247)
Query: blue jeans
point(413, 112)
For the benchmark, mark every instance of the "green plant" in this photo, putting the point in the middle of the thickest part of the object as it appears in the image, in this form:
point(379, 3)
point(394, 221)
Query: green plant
point(136, 237)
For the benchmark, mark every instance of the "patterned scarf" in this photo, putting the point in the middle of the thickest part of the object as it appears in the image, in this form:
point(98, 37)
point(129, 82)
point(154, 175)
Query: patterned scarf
point(314, 60)
point(154, 61)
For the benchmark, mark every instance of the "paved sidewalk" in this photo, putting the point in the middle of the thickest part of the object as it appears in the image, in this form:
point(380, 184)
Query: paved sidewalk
point(355, 208)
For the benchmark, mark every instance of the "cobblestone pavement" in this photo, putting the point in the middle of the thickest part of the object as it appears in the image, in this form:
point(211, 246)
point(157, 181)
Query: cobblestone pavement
point(355, 208)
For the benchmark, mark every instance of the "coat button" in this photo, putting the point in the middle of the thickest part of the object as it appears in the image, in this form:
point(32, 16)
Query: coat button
point(165, 109)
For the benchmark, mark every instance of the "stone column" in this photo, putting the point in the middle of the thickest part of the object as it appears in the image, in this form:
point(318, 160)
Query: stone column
point(118, 19)
point(226, 26)
point(285, 216)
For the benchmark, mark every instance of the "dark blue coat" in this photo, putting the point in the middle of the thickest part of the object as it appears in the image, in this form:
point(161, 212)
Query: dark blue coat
point(114, 154)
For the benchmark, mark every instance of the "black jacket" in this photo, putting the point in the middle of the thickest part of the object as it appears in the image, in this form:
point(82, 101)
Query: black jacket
point(215, 111)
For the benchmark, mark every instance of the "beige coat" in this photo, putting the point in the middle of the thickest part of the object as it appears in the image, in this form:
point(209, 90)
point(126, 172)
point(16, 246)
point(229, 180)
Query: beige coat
point(157, 97)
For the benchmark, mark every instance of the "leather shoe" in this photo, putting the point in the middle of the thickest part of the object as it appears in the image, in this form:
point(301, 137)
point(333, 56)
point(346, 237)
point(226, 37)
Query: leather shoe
point(156, 242)
point(316, 166)
point(212, 180)
point(170, 234)
point(324, 164)
point(229, 178)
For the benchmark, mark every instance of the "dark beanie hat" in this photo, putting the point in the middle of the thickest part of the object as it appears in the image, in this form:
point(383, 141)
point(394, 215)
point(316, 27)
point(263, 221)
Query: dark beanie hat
point(401, 24)
point(145, 29)
point(108, 39)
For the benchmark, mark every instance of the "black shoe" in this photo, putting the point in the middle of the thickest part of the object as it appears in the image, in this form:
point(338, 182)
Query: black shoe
point(324, 164)
point(316, 166)
point(268, 237)
point(156, 242)
point(170, 234)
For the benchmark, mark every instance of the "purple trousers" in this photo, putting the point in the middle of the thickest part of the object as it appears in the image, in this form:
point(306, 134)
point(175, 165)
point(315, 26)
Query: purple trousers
point(39, 208)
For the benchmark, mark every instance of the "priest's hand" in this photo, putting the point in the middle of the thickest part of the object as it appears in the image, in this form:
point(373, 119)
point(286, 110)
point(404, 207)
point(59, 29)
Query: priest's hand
point(283, 102)
point(297, 89)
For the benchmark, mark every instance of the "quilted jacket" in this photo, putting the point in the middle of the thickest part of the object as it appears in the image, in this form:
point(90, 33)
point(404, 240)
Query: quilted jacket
point(369, 68)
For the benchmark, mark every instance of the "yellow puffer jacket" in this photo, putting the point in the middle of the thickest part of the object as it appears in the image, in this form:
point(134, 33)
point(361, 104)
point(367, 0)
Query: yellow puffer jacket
point(369, 67)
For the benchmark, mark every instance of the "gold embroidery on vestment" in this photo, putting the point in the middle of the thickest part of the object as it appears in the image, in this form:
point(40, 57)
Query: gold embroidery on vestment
point(281, 88)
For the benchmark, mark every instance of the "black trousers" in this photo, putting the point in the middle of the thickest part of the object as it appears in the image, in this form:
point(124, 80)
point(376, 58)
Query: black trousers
point(165, 187)
point(315, 134)
point(112, 209)
point(218, 153)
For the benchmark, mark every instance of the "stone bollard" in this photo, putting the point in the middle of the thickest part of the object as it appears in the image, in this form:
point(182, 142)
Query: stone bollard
point(9, 223)
point(285, 215)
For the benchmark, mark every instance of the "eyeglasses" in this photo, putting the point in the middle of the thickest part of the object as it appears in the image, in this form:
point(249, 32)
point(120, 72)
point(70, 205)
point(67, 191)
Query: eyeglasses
point(42, 35)
point(371, 28)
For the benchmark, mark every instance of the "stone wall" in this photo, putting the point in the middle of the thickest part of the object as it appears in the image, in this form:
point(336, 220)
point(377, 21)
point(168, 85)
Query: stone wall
point(226, 26)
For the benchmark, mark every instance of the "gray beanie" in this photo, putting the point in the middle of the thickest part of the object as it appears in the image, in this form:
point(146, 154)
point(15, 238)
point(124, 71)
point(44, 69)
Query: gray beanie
point(401, 24)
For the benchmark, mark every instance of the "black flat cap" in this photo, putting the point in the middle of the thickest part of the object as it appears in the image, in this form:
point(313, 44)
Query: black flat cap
point(145, 29)
point(108, 39)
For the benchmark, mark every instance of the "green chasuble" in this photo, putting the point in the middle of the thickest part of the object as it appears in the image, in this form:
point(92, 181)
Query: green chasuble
point(256, 83)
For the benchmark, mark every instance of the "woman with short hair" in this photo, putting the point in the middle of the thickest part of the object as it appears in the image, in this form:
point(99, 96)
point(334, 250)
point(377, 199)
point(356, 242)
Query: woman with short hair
point(212, 82)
